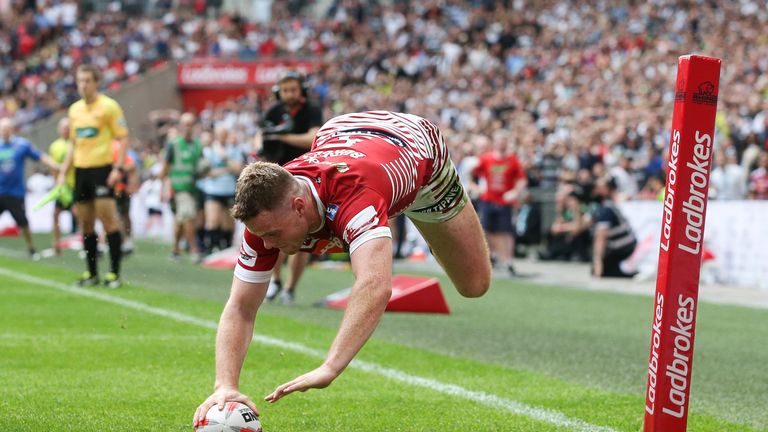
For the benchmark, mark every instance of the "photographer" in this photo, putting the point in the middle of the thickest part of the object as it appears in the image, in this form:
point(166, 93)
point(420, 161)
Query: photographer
point(290, 125)
point(288, 130)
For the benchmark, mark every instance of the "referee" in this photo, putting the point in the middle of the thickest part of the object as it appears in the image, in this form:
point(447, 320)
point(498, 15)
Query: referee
point(95, 121)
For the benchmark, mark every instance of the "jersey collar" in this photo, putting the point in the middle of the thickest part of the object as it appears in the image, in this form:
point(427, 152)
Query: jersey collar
point(318, 201)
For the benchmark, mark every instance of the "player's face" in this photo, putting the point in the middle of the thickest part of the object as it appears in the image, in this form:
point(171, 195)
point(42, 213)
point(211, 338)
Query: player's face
point(64, 129)
point(290, 92)
point(6, 129)
point(187, 127)
point(601, 190)
point(87, 85)
point(282, 229)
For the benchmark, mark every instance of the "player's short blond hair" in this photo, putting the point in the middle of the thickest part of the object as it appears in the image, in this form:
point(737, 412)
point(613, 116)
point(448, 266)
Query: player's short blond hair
point(261, 186)
point(91, 69)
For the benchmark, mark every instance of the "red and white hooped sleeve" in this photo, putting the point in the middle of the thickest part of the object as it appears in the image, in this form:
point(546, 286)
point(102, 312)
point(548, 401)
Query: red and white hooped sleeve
point(256, 262)
point(362, 217)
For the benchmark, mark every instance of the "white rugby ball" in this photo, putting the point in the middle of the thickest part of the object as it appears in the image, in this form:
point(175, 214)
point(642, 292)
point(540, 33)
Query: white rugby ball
point(235, 417)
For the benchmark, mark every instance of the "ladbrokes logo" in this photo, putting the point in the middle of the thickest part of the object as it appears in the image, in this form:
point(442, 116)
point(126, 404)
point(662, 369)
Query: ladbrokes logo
point(680, 93)
point(705, 94)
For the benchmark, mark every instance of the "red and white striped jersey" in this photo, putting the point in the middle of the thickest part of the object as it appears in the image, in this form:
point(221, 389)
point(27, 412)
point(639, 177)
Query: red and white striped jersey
point(363, 168)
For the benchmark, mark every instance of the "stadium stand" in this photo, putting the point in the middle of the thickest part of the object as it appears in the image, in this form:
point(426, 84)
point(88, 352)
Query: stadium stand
point(582, 89)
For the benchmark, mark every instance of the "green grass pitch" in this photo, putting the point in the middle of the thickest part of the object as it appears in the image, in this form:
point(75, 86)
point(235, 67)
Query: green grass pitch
point(523, 358)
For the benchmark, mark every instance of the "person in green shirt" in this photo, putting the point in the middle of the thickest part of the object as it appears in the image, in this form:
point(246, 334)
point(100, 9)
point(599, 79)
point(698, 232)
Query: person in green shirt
point(58, 151)
point(182, 157)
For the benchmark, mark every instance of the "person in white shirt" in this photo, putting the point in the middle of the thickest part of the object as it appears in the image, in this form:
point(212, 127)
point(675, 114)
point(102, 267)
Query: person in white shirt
point(625, 181)
point(729, 179)
point(152, 191)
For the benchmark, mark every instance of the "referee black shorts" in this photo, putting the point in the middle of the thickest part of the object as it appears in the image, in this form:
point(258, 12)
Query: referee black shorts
point(59, 205)
point(15, 207)
point(91, 183)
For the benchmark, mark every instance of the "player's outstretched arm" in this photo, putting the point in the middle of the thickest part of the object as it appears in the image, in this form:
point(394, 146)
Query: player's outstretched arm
point(65, 165)
point(372, 266)
point(232, 340)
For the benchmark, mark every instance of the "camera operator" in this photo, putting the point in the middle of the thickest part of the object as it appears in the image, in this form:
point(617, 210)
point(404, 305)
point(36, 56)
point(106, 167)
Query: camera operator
point(289, 125)
point(288, 129)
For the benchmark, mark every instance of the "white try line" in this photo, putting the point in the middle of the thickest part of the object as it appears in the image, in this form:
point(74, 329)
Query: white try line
point(545, 415)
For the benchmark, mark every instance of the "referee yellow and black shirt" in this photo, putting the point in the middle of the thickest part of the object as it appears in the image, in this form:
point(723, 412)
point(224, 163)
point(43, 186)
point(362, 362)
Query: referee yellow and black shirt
point(93, 128)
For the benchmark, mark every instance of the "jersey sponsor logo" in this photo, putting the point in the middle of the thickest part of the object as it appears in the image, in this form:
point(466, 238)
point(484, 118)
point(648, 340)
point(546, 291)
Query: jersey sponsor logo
point(102, 191)
point(309, 243)
point(341, 167)
point(316, 155)
point(246, 259)
point(86, 132)
point(331, 210)
point(320, 246)
point(447, 202)
point(7, 162)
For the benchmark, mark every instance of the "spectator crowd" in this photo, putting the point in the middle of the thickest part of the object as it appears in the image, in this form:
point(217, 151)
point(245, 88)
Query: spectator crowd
point(574, 91)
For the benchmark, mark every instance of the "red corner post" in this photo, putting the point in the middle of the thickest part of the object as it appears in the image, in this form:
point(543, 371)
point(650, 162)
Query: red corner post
point(682, 233)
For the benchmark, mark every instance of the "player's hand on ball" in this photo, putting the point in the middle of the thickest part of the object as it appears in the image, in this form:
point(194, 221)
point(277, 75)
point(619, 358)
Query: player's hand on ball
point(220, 397)
point(319, 378)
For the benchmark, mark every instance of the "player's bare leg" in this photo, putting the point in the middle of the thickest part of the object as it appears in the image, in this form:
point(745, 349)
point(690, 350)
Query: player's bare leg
point(296, 265)
point(56, 230)
point(188, 226)
point(106, 211)
point(460, 247)
point(276, 284)
point(178, 229)
point(30, 245)
point(502, 246)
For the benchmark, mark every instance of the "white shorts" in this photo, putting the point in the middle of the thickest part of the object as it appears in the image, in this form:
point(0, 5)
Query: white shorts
point(443, 197)
point(186, 206)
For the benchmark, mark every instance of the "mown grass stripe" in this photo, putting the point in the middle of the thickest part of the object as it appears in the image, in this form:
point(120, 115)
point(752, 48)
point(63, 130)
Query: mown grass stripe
point(541, 414)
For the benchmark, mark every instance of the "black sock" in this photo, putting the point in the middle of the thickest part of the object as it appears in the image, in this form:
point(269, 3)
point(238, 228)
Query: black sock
point(206, 243)
point(74, 224)
point(115, 241)
point(200, 238)
point(211, 240)
point(90, 244)
point(226, 239)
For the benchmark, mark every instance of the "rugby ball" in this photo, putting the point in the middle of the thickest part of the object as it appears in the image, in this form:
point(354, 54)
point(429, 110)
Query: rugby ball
point(235, 417)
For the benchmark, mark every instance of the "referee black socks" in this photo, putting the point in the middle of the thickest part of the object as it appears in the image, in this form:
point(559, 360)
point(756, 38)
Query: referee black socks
point(90, 243)
point(115, 240)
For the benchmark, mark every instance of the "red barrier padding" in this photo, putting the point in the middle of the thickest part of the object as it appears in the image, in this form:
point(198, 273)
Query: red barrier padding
point(224, 259)
point(409, 294)
point(10, 231)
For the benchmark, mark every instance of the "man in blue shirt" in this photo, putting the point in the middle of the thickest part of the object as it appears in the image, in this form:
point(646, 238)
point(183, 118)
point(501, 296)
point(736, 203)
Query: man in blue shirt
point(13, 152)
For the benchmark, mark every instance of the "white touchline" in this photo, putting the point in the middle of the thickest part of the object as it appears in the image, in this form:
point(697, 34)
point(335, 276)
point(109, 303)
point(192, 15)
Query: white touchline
point(553, 417)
